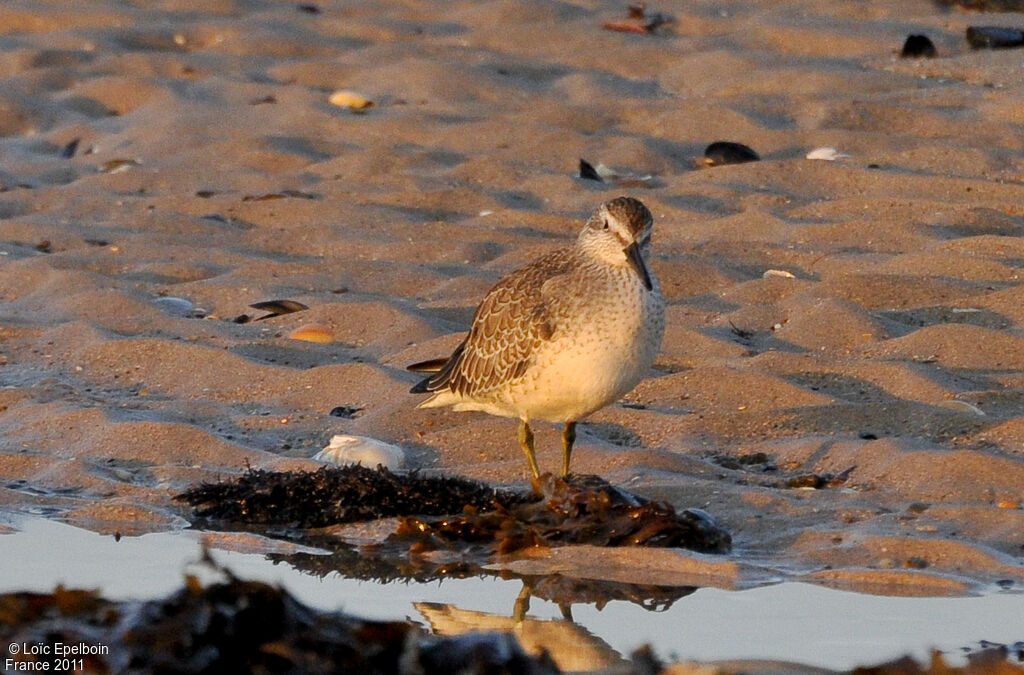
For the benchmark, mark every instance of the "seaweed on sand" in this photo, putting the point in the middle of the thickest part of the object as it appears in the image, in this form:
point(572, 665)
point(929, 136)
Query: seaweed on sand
point(333, 495)
point(456, 513)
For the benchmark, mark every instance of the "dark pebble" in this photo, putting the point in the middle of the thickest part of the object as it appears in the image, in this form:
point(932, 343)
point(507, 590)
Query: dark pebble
point(994, 37)
point(868, 435)
point(726, 152)
point(345, 411)
point(308, 8)
point(917, 46)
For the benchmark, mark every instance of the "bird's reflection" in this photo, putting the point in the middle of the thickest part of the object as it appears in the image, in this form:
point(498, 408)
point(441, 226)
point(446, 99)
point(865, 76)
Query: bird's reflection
point(570, 645)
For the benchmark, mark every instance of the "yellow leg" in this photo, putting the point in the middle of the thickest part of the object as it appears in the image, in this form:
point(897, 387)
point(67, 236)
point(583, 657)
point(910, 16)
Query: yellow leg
point(526, 440)
point(522, 605)
point(568, 438)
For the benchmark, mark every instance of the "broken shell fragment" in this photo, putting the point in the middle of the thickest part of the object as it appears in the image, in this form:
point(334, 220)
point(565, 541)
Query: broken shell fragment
point(312, 333)
point(994, 37)
point(278, 307)
point(778, 273)
point(344, 450)
point(918, 46)
point(118, 165)
point(727, 152)
point(175, 306)
point(962, 406)
point(827, 154)
point(588, 172)
point(349, 99)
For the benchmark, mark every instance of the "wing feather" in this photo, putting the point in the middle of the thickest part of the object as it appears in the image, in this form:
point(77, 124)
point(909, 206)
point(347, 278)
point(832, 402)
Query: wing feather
point(507, 329)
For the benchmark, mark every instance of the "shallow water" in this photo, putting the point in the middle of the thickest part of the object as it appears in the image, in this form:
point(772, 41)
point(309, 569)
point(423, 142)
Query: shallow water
point(788, 621)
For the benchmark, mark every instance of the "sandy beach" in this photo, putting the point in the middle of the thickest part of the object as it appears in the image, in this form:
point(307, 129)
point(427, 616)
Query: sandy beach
point(855, 325)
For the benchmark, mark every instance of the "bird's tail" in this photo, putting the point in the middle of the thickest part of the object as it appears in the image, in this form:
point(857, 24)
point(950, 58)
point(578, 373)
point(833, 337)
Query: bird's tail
point(428, 366)
point(441, 369)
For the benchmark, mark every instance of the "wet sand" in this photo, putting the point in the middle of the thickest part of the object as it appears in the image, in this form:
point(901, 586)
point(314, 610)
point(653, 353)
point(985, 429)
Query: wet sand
point(167, 164)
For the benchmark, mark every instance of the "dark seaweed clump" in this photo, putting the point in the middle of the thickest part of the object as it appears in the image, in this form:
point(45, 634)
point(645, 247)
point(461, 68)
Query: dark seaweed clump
point(244, 627)
point(574, 510)
point(456, 513)
point(333, 495)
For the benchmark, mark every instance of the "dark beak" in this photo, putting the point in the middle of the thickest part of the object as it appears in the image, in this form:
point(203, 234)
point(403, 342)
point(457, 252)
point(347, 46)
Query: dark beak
point(637, 261)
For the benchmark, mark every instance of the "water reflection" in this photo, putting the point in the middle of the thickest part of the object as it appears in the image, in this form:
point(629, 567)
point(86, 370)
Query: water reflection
point(570, 645)
point(793, 622)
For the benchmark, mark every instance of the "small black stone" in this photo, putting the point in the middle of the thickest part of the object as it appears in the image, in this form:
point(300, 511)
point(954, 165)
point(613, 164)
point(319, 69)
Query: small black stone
point(917, 46)
point(868, 436)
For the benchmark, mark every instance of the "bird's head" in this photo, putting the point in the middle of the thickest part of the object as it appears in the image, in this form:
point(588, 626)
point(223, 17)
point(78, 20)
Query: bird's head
point(619, 233)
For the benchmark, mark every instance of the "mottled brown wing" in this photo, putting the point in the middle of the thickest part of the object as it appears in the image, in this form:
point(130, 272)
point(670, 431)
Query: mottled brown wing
point(509, 325)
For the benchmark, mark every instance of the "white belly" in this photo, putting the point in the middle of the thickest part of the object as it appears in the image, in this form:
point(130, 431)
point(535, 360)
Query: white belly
point(583, 370)
point(599, 351)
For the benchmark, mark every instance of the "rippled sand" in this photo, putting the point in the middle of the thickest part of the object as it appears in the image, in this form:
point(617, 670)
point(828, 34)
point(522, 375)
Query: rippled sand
point(165, 164)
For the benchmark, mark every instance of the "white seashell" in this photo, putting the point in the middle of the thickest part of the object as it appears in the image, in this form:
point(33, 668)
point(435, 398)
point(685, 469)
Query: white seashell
point(345, 450)
point(827, 154)
point(605, 173)
point(778, 273)
point(962, 406)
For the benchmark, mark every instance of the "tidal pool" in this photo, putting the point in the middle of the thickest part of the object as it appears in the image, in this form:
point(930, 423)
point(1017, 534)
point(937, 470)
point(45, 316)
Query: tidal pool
point(793, 622)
